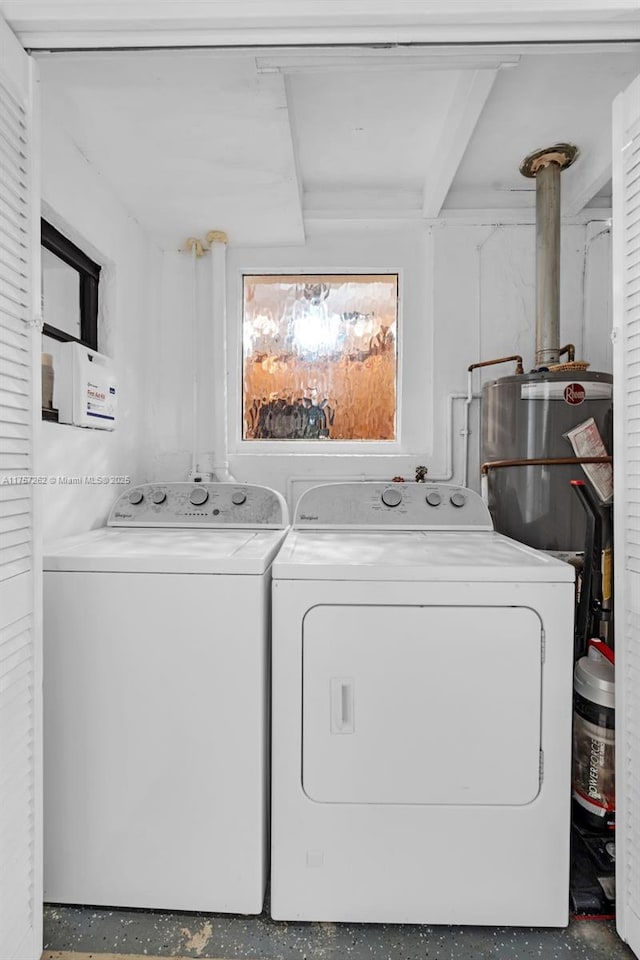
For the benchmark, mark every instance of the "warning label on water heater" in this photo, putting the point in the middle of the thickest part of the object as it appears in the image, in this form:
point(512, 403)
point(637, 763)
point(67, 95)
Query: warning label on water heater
point(573, 392)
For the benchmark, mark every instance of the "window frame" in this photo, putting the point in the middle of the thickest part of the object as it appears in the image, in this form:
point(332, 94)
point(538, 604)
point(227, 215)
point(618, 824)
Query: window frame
point(407, 249)
point(89, 278)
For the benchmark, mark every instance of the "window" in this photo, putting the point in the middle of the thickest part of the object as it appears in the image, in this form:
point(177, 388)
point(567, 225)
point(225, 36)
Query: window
point(69, 290)
point(320, 357)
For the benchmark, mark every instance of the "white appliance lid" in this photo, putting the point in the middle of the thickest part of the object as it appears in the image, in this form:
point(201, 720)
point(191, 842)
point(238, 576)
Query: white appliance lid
point(157, 550)
point(414, 555)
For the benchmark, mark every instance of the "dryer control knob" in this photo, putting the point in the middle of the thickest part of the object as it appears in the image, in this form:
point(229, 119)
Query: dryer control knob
point(434, 499)
point(158, 496)
point(391, 497)
point(198, 496)
point(238, 497)
point(136, 496)
point(458, 499)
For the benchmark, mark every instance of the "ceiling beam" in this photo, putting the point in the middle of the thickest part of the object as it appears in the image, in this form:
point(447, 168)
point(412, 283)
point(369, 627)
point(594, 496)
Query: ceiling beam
point(293, 137)
point(587, 178)
point(51, 24)
point(469, 98)
point(513, 216)
point(353, 59)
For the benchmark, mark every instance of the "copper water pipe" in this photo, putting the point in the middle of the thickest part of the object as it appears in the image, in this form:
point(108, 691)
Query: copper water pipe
point(490, 363)
point(465, 429)
point(540, 462)
point(570, 350)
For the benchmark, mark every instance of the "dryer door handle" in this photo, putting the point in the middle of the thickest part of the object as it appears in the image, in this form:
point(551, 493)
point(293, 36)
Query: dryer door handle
point(342, 705)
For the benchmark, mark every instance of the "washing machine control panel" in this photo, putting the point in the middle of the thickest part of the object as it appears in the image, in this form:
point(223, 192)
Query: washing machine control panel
point(413, 506)
point(199, 505)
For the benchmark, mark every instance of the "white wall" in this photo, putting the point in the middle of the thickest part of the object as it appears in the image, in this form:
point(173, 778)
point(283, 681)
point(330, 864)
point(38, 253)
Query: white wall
point(78, 201)
point(468, 294)
point(407, 250)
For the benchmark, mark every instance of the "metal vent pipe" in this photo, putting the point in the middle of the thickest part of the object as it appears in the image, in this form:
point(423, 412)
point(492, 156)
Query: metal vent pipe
point(546, 166)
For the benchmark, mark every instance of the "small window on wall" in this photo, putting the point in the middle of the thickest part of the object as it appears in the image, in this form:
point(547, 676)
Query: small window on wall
point(69, 290)
point(320, 357)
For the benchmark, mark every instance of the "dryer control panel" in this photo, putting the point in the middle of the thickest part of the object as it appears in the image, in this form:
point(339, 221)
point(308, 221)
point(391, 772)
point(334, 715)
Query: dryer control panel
point(396, 506)
point(200, 505)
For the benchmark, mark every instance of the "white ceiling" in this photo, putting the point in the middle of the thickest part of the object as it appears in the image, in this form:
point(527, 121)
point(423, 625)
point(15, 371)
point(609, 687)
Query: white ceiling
point(258, 143)
point(188, 142)
point(547, 99)
point(368, 129)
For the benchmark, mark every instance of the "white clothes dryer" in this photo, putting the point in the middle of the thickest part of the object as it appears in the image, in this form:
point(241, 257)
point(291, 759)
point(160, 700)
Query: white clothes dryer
point(156, 653)
point(421, 713)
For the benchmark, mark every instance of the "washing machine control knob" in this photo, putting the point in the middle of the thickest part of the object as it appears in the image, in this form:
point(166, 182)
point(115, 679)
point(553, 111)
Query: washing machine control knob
point(136, 497)
point(458, 499)
point(238, 497)
point(198, 496)
point(434, 499)
point(391, 497)
point(158, 496)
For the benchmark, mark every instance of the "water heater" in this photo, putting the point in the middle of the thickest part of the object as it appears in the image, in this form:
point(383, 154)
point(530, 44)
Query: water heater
point(526, 417)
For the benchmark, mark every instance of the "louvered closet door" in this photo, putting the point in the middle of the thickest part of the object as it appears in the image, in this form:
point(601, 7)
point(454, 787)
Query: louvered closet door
point(626, 273)
point(20, 647)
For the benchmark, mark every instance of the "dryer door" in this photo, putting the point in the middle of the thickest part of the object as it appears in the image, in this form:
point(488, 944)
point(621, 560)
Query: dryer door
point(430, 705)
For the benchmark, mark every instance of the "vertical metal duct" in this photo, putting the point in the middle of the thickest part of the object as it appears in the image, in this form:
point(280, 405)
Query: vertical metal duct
point(546, 165)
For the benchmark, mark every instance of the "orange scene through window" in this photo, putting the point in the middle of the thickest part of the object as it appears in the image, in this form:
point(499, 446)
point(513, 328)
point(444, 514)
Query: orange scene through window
point(320, 357)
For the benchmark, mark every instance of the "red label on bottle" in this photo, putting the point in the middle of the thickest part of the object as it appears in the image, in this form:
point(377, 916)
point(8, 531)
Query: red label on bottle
point(574, 393)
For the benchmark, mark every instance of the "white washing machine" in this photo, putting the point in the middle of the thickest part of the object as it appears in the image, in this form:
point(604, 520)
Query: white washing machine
point(156, 655)
point(421, 714)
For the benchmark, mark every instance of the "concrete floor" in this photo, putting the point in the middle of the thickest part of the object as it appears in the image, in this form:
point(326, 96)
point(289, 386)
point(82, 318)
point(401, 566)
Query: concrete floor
point(92, 932)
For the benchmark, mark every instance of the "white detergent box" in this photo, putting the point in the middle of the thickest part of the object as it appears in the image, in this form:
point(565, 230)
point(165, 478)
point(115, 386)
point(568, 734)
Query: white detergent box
point(85, 387)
